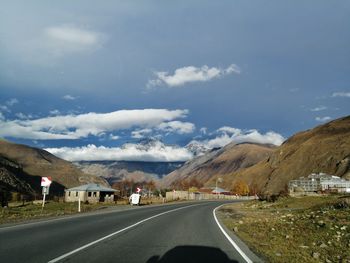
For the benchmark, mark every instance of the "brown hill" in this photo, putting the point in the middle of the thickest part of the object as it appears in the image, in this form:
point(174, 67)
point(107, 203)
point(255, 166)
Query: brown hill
point(325, 148)
point(230, 158)
point(28, 164)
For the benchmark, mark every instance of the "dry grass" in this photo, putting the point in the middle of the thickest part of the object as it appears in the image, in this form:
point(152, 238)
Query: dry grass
point(307, 229)
point(17, 212)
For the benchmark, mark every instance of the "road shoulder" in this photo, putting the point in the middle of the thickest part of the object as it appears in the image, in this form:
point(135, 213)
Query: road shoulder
point(245, 249)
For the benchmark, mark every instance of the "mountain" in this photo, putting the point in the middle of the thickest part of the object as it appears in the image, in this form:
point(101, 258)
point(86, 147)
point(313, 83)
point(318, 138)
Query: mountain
point(325, 148)
point(197, 148)
point(22, 166)
point(114, 171)
point(228, 159)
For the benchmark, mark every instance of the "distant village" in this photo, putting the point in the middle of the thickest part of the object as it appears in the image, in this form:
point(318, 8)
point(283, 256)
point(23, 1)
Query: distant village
point(315, 183)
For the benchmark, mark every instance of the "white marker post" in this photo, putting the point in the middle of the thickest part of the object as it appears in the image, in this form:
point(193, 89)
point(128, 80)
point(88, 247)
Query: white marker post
point(79, 203)
point(45, 183)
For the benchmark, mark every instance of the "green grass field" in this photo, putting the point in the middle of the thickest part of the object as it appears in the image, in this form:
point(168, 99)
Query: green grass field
point(305, 229)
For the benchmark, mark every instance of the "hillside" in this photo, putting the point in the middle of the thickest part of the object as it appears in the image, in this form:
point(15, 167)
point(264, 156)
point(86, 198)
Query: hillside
point(114, 171)
point(325, 148)
point(230, 158)
point(27, 163)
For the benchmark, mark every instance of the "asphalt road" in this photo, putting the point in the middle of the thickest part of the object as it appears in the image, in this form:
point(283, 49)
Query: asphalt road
point(185, 232)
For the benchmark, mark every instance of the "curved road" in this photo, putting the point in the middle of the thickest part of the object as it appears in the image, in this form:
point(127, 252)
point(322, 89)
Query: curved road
point(185, 232)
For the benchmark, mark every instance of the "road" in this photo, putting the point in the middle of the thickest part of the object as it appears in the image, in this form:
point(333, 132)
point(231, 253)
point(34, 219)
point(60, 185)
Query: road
point(182, 232)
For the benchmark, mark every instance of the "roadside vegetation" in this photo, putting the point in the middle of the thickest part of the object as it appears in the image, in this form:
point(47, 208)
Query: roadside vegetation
point(304, 229)
point(24, 211)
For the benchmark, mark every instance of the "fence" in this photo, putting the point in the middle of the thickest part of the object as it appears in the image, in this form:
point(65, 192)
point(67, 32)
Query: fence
point(185, 195)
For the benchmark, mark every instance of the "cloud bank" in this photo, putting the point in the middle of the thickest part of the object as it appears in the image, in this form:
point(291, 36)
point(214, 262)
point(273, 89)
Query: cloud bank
point(341, 94)
point(190, 74)
point(323, 119)
point(157, 152)
point(95, 124)
point(226, 135)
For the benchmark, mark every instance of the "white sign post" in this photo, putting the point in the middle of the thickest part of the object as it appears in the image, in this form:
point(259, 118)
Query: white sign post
point(45, 183)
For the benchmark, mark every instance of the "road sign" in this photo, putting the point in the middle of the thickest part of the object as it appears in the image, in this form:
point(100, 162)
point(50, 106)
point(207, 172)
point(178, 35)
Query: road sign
point(46, 190)
point(138, 190)
point(46, 181)
point(135, 199)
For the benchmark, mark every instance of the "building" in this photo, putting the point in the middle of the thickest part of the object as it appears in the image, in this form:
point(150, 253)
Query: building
point(319, 182)
point(92, 193)
point(336, 184)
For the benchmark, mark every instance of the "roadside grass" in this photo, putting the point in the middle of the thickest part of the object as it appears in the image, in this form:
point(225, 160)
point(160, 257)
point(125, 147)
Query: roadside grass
point(305, 229)
point(18, 212)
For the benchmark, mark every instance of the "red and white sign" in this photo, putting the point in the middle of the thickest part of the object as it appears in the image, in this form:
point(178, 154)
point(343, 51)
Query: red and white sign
point(46, 181)
point(138, 189)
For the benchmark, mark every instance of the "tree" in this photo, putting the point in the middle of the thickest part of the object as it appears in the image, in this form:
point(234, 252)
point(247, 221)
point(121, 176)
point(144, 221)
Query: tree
point(240, 187)
point(253, 189)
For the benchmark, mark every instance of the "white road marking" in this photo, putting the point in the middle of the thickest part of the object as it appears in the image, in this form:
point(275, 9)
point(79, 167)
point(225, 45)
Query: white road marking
point(239, 250)
point(115, 233)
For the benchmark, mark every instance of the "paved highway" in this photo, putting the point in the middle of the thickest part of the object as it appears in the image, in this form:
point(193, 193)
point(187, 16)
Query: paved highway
point(182, 232)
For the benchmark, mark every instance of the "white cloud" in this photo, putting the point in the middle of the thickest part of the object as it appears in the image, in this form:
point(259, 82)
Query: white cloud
point(320, 108)
point(203, 130)
point(4, 108)
point(23, 116)
point(157, 152)
point(83, 125)
point(12, 102)
point(57, 41)
point(323, 119)
point(341, 94)
point(114, 137)
point(139, 134)
point(177, 127)
point(229, 134)
point(55, 112)
point(189, 74)
point(72, 35)
point(69, 97)
point(9, 103)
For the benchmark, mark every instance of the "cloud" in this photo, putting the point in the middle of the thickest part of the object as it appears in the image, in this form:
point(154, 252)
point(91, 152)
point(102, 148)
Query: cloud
point(177, 127)
point(139, 134)
point(69, 97)
point(190, 74)
point(72, 35)
point(84, 125)
point(9, 103)
point(157, 152)
point(55, 112)
point(4, 108)
point(57, 41)
point(203, 130)
point(227, 135)
point(12, 102)
point(323, 119)
point(114, 137)
point(23, 116)
point(320, 108)
point(341, 94)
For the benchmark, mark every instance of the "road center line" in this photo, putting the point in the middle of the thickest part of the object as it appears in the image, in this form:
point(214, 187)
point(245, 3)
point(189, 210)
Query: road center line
point(233, 243)
point(115, 233)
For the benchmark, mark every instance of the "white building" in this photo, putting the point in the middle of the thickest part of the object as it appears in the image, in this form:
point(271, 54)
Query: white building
point(320, 182)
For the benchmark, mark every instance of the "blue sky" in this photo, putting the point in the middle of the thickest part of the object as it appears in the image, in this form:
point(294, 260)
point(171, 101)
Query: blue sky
point(84, 77)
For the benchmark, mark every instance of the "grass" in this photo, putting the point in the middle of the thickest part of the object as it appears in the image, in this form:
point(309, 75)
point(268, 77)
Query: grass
point(306, 229)
point(18, 212)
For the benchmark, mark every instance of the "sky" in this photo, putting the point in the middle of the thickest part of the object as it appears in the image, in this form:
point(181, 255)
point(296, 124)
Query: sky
point(87, 80)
